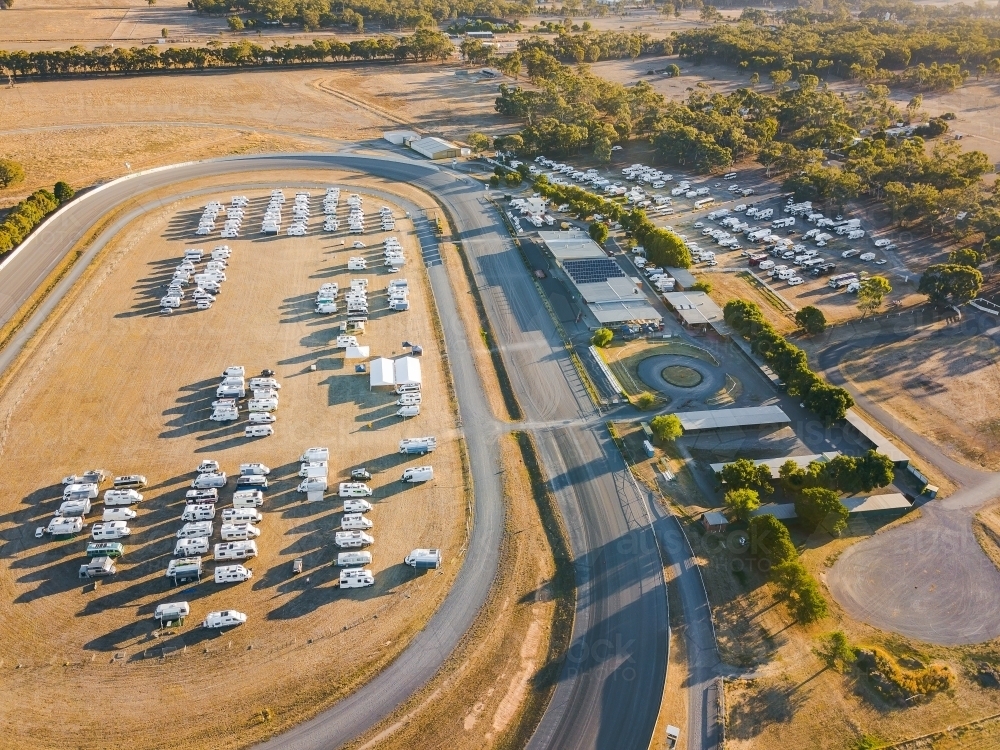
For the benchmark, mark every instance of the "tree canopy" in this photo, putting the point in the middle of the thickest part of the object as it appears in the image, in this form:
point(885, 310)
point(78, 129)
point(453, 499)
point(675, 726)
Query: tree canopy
point(950, 284)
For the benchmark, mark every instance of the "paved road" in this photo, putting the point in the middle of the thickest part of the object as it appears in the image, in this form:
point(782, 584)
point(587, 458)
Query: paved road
point(927, 579)
point(611, 682)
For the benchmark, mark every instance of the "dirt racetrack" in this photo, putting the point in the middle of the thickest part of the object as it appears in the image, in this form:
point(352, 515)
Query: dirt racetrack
point(118, 385)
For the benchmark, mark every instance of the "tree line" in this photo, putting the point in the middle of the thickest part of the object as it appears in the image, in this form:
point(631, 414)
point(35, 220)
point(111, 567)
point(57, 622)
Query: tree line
point(928, 50)
point(29, 213)
point(828, 402)
point(398, 14)
point(422, 45)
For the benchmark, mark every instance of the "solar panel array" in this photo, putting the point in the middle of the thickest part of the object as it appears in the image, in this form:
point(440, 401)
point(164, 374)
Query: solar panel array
point(593, 270)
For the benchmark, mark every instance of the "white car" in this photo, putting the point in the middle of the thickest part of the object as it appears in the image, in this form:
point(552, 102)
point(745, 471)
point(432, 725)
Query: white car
point(882, 243)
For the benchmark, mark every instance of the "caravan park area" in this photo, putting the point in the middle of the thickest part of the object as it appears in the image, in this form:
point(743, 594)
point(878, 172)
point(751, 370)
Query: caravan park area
point(114, 383)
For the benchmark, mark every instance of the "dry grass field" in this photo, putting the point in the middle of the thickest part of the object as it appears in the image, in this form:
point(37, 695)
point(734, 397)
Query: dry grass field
point(116, 384)
point(85, 131)
point(934, 384)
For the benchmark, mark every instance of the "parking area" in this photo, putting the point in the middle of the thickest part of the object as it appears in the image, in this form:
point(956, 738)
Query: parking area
point(120, 385)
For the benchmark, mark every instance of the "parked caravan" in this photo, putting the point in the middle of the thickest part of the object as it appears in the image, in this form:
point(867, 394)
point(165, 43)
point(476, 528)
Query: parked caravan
point(258, 481)
point(418, 445)
point(74, 508)
point(232, 532)
point(118, 514)
point(235, 550)
point(344, 341)
point(198, 513)
point(201, 497)
point(64, 526)
point(208, 481)
point(105, 549)
point(191, 547)
point(242, 515)
point(407, 388)
point(248, 499)
point(424, 558)
point(258, 430)
point(110, 530)
point(254, 468)
point(354, 489)
point(418, 474)
point(171, 611)
point(345, 559)
point(98, 567)
point(80, 491)
point(355, 578)
point(315, 454)
point(232, 574)
point(195, 529)
point(357, 505)
point(409, 399)
point(224, 619)
point(262, 404)
point(313, 484)
point(349, 539)
point(355, 521)
point(121, 497)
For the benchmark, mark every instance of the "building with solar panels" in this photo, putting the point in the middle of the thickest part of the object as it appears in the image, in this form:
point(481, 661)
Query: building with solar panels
point(611, 297)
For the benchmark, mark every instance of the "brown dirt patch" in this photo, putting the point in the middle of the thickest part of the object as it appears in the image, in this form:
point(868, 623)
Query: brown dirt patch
point(132, 386)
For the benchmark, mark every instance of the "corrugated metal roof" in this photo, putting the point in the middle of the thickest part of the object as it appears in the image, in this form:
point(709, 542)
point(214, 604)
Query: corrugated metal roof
point(881, 442)
point(775, 464)
point(874, 503)
point(719, 419)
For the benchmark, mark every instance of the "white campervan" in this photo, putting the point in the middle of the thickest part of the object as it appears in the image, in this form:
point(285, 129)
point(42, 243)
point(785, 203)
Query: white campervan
point(195, 529)
point(248, 499)
point(232, 574)
point(349, 539)
point(235, 550)
point(190, 547)
point(357, 505)
point(121, 497)
point(345, 559)
point(355, 578)
point(418, 474)
point(355, 521)
point(110, 530)
point(118, 514)
point(204, 512)
point(232, 532)
point(354, 489)
point(208, 481)
point(226, 618)
point(315, 454)
point(242, 515)
point(258, 430)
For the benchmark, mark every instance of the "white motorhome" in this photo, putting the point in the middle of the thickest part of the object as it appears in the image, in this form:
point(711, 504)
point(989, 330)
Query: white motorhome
point(355, 521)
point(190, 547)
point(121, 497)
point(248, 499)
point(195, 529)
point(315, 454)
point(258, 430)
point(80, 491)
point(418, 474)
point(262, 404)
point(350, 539)
point(411, 410)
point(355, 578)
point(409, 399)
point(418, 445)
point(253, 469)
point(357, 505)
point(354, 489)
point(312, 484)
point(60, 526)
point(232, 532)
point(98, 567)
point(424, 558)
point(314, 470)
point(232, 574)
point(184, 569)
point(204, 512)
point(118, 514)
point(171, 611)
point(110, 530)
point(208, 481)
point(235, 550)
point(345, 559)
point(201, 497)
point(74, 508)
point(344, 341)
point(242, 515)
point(224, 619)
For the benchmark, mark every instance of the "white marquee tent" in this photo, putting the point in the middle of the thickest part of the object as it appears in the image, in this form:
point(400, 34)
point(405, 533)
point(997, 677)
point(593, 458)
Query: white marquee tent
point(356, 352)
point(407, 370)
point(381, 373)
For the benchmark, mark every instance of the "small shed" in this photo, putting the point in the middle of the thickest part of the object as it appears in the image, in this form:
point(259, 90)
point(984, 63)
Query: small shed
point(407, 371)
point(714, 522)
point(381, 373)
point(400, 137)
point(781, 511)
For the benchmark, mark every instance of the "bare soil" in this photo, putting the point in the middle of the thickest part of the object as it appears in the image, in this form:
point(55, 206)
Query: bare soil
point(134, 386)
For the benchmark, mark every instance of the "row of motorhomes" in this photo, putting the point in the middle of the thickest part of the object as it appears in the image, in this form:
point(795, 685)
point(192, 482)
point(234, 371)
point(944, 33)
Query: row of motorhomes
point(355, 214)
point(330, 203)
point(262, 403)
point(271, 224)
point(300, 215)
point(208, 281)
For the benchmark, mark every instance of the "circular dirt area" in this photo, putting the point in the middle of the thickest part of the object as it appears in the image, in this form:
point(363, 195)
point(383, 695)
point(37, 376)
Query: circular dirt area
point(681, 376)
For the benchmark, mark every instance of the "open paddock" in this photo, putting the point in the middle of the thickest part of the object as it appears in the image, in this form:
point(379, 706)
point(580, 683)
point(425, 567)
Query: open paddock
point(116, 384)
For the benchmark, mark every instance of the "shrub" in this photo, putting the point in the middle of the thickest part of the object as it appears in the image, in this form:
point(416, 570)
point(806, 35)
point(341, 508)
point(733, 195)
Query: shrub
point(645, 400)
point(63, 192)
point(602, 337)
point(897, 685)
point(702, 286)
point(11, 173)
point(811, 319)
point(666, 427)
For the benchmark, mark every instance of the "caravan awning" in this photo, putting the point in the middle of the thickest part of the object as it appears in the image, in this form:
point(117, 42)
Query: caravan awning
point(407, 370)
point(381, 373)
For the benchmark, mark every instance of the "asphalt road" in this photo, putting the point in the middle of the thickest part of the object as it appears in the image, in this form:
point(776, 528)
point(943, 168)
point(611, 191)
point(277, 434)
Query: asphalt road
point(612, 679)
